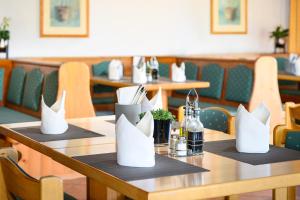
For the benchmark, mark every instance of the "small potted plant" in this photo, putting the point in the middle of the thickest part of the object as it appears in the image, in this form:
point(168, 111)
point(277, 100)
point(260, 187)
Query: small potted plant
point(4, 35)
point(162, 125)
point(280, 34)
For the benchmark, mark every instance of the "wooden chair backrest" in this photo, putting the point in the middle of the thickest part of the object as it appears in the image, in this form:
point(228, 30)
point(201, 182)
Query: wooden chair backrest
point(74, 78)
point(14, 181)
point(266, 90)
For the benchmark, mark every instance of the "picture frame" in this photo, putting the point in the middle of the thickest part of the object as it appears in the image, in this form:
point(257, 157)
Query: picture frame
point(64, 18)
point(229, 16)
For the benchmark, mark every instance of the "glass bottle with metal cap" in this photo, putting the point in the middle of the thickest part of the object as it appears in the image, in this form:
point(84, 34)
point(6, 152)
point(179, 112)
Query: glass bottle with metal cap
point(195, 133)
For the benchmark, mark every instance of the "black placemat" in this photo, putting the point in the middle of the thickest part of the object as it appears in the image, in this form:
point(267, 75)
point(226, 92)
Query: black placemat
point(227, 149)
point(73, 132)
point(164, 166)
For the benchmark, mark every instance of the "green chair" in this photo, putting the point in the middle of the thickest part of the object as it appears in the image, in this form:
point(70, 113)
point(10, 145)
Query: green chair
point(50, 88)
point(191, 73)
point(214, 74)
point(164, 70)
point(32, 90)
point(239, 84)
point(2, 71)
point(16, 86)
point(214, 118)
point(292, 140)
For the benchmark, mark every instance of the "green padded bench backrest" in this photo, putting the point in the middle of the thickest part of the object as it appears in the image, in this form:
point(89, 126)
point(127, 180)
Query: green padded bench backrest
point(50, 88)
point(16, 85)
point(101, 69)
point(215, 120)
point(214, 74)
point(2, 71)
point(239, 84)
point(282, 63)
point(164, 70)
point(292, 140)
point(33, 89)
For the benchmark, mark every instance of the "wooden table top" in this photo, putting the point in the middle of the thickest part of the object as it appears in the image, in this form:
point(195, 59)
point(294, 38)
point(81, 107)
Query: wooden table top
point(288, 77)
point(164, 83)
point(226, 176)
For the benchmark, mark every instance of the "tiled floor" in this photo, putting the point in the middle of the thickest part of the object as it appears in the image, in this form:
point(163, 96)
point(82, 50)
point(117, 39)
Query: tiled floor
point(77, 188)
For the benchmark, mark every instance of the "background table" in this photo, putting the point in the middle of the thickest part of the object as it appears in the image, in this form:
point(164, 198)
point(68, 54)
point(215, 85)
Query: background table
point(226, 176)
point(163, 83)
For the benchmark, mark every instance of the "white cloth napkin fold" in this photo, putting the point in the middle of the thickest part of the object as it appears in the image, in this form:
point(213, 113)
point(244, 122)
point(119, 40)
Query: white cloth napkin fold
point(178, 72)
point(53, 118)
point(135, 144)
point(154, 104)
point(125, 95)
point(253, 130)
point(115, 70)
point(139, 70)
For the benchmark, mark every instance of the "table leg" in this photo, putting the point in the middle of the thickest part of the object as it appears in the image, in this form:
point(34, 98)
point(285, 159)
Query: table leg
point(232, 197)
point(280, 194)
point(97, 191)
point(292, 193)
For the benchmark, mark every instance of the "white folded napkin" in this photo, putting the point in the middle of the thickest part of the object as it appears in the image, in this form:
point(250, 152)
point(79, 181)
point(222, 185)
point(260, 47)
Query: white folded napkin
point(178, 73)
point(253, 129)
point(115, 70)
point(135, 144)
point(125, 95)
point(53, 118)
point(154, 104)
point(139, 70)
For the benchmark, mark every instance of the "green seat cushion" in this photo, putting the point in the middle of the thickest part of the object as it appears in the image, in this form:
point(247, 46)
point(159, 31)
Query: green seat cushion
point(50, 88)
point(214, 74)
point(239, 84)
point(101, 69)
point(16, 86)
point(191, 72)
point(1, 83)
point(292, 140)
point(215, 120)
point(177, 102)
point(106, 100)
point(290, 92)
point(8, 116)
point(33, 89)
point(164, 70)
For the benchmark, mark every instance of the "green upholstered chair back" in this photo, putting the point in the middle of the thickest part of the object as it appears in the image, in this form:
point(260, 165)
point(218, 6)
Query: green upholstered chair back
point(50, 88)
point(282, 63)
point(101, 69)
point(214, 74)
point(214, 119)
point(2, 71)
point(239, 84)
point(33, 89)
point(164, 70)
point(292, 140)
point(16, 86)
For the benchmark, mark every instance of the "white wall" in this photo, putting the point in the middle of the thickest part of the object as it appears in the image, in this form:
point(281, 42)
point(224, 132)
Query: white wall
point(130, 27)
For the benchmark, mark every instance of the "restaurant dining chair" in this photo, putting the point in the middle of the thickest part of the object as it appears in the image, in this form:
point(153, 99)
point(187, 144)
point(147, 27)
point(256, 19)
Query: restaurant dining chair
point(15, 184)
point(288, 135)
point(214, 118)
point(74, 78)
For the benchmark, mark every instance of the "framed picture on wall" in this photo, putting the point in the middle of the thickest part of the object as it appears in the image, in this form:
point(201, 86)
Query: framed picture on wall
point(228, 16)
point(64, 18)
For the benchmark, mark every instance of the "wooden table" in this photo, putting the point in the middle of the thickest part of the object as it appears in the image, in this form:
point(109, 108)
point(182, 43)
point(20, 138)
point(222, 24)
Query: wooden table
point(288, 77)
point(163, 83)
point(226, 176)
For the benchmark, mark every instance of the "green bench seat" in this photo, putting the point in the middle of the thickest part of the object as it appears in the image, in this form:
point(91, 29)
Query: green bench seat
point(177, 102)
point(8, 116)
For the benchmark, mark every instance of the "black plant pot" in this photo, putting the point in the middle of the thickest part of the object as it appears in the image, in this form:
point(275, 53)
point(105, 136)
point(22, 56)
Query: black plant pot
point(162, 129)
